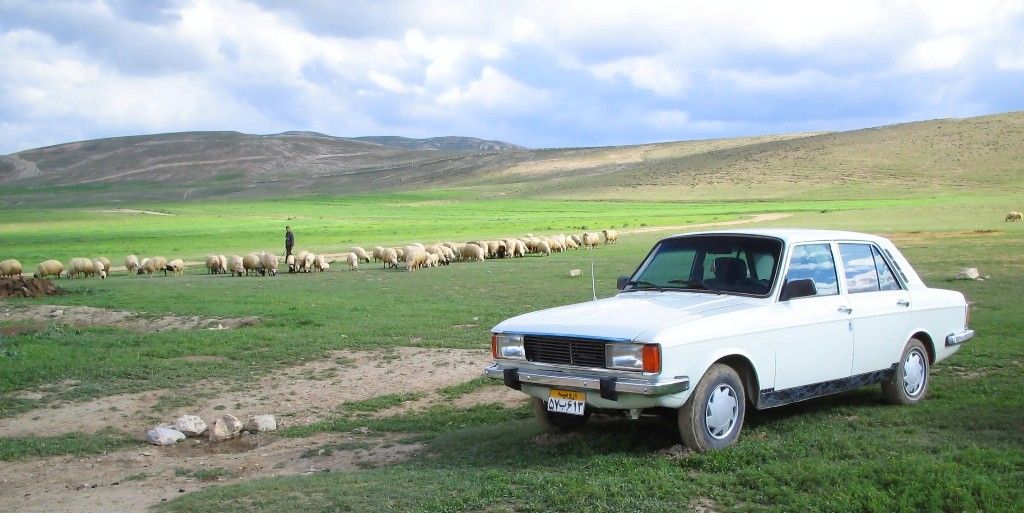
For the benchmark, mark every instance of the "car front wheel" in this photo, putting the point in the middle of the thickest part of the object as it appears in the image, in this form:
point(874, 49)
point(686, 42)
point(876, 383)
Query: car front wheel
point(713, 415)
point(553, 421)
point(909, 383)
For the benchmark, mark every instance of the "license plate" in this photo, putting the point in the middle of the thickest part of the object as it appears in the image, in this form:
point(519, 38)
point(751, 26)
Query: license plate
point(567, 401)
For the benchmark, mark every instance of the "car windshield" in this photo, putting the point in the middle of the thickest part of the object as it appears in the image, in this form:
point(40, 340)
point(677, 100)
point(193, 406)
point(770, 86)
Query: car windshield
point(739, 264)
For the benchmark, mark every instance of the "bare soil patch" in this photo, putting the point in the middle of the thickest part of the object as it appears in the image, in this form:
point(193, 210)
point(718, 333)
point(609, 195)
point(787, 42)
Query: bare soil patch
point(759, 218)
point(298, 395)
point(130, 211)
point(85, 316)
point(922, 237)
point(132, 480)
point(19, 286)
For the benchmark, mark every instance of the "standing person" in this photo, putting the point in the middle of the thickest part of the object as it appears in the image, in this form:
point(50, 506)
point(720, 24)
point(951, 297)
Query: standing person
point(289, 241)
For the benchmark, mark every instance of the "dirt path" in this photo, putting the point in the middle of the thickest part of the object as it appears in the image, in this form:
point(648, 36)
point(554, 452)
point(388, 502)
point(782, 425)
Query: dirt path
point(129, 211)
point(298, 395)
point(90, 316)
point(759, 218)
point(131, 480)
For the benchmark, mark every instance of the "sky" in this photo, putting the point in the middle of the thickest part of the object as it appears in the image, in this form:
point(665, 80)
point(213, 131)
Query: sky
point(539, 74)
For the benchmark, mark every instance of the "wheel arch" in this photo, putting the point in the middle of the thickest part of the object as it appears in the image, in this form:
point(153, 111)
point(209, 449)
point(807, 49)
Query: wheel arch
point(929, 344)
point(745, 368)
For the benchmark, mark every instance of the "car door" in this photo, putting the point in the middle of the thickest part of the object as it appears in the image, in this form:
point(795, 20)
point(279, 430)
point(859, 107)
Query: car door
point(881, 307)
point(815, 342)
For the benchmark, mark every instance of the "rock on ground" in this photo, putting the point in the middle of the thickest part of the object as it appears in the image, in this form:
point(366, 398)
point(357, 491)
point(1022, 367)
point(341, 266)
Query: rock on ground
point(261, 423)
point(968, 273)
point(225, 427)
point(164, 436)
point(191, 425)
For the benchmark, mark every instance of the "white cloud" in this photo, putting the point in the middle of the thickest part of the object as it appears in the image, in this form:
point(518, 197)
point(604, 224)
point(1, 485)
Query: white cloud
point(441, 66)
point(935, 54)
point(654, 74)
point(497, 92)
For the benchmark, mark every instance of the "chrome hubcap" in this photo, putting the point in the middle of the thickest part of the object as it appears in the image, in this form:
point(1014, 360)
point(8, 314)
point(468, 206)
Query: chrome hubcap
point(721, 412)
point(914, 373)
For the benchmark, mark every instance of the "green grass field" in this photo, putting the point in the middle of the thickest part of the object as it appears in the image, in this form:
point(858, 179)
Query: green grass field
point(962, 450)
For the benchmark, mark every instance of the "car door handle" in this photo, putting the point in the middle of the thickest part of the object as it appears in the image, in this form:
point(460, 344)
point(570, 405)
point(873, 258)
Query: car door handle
point(845, 309)
point(903, 302)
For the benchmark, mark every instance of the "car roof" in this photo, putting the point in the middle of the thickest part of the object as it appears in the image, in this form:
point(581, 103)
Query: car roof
point(795, 235)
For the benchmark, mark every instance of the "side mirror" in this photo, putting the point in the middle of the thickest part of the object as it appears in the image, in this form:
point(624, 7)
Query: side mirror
point(798, 288)
point(621, 282)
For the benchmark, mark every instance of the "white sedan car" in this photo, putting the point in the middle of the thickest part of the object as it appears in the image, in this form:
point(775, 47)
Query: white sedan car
point(713, 323)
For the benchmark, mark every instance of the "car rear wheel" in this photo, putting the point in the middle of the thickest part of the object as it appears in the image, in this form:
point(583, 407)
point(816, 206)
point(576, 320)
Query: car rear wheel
point(909, 383)
point(713, 415)
point(553, 421)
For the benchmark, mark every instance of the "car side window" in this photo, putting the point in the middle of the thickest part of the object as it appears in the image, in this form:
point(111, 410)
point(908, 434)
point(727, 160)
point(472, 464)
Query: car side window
point(814, 261)
point(886, 278)
point(859, 267)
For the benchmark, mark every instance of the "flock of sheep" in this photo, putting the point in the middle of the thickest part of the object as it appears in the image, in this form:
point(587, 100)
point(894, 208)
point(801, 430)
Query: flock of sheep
point(413, 256)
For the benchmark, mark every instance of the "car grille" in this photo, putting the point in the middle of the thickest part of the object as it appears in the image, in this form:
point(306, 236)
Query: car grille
point(565, 350)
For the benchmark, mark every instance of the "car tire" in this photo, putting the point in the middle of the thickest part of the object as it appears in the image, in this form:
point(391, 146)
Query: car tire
point(713, 415)
point(909, 383)
point(553, 421)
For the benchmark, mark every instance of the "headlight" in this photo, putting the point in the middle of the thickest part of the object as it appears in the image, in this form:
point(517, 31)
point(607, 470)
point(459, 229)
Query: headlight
point(636, 357)
point(507, 346)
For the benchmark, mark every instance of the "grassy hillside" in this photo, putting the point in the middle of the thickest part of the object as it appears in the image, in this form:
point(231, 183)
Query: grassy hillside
point(918, 159)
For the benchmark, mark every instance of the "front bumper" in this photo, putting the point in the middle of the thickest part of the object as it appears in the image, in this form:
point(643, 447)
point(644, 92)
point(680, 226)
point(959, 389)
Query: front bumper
point(954, 339)
point(608, 386)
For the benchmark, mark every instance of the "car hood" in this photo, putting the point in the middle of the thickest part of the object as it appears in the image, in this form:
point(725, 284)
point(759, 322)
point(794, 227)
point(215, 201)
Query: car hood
point(625, 316)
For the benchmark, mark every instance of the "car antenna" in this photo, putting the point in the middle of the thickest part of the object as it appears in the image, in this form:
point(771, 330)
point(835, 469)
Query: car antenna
point(593, 280)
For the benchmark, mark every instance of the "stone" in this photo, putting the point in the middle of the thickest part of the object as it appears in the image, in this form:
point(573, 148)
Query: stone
point(968, 273)
point(191, 425)
point(261, 423)
point(164, 436)
point(575, 272)
point(225, 427)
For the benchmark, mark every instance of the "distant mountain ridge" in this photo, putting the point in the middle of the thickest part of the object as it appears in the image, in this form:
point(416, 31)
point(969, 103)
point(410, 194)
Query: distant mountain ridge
point(929, 157)
point(449, 143)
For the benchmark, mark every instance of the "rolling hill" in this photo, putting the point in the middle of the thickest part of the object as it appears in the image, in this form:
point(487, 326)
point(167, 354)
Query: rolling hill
point(981, 153)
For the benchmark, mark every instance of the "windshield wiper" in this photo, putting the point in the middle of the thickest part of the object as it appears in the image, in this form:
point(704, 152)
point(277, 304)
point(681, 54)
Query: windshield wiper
point(695, 285)
point(645, 285)
point(699, 285)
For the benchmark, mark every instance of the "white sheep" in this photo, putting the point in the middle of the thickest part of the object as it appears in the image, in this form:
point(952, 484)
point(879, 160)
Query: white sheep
point(353, 261)
point(131, 263)
point(378, 253)
point(49, 268)
point(320, 263)
point(543, 247)
point(145, 267)
point(176, 267)
point(251, 262)
point(99, 269)
point(106, 264)
point(415, 257)
point(390, 258)
point(223, 263)
point(213, 264)
point(361, 254)
point(1014, 216)
point(290, 262)
point(80, 267)
point(590, 240)
point(10, 268)
point(472, 253)
point(158, 263)
point(610, 236)
point(268, 263)
point(236, 265)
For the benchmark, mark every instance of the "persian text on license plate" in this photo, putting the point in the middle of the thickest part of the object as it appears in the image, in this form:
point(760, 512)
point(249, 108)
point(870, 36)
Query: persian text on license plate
point(567, 401)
